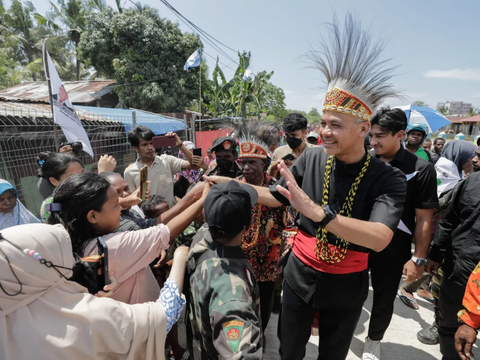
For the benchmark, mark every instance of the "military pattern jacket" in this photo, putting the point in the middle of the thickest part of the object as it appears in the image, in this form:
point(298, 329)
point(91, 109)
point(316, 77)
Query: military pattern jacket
point(224, 302)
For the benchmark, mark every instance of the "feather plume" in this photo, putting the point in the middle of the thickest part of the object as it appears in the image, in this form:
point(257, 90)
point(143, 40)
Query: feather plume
point(350, 60)
point(247, 131)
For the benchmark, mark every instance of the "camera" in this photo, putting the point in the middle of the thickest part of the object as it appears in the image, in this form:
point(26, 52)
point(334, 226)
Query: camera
point(77, 146)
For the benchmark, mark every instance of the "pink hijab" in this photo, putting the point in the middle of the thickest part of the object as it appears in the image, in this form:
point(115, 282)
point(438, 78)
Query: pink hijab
point(49, 317)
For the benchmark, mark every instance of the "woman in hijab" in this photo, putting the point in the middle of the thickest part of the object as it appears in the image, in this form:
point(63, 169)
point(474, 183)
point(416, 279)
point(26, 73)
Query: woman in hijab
point(43, 315)
point(12, 211)
point(454, 164)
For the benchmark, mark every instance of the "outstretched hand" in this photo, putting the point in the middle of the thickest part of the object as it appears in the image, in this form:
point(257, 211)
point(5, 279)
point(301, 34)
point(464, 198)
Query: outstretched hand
point(106, 163)
point(297, 197)
point(216, 179)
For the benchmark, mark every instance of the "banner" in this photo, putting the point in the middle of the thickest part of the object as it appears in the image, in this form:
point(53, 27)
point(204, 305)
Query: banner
point(63, 113)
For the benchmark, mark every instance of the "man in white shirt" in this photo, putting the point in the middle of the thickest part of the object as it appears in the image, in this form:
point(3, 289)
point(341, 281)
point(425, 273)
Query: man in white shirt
point(161, 169)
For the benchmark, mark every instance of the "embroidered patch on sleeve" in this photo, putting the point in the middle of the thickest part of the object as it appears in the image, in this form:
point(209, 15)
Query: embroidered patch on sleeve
point(233, 331)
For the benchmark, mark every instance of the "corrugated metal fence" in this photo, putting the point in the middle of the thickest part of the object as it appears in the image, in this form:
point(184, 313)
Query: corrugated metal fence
point(26, 133)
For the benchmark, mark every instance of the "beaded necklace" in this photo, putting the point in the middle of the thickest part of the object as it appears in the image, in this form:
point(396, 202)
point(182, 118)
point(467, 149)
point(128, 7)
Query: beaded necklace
point(323, 251)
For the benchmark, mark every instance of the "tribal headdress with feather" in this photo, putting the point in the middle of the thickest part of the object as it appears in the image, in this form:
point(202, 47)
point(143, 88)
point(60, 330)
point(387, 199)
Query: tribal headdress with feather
point(247, 134)
point(357, 80)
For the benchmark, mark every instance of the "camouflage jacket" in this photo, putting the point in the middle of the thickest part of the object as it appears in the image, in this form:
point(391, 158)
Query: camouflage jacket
point(224, 302)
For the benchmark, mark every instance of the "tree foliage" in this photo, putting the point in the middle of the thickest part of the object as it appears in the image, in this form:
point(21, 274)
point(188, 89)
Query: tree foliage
point(147, 54)
point(143, 52)
point(314, 112)
point(241, 97)
point(420, 103)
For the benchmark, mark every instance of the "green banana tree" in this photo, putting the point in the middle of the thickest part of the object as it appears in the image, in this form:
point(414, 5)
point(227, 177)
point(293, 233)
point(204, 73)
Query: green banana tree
point(217, 92)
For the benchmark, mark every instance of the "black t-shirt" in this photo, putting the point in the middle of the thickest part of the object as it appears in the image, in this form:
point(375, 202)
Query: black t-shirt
point(421, 186)
point(132, 221)
point(379, 198)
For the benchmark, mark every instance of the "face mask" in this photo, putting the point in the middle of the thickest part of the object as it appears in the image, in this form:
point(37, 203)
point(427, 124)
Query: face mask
point(225, 166)
point(294, 142)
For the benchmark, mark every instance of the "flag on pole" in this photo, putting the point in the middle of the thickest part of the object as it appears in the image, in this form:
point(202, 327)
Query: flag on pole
point(63, 112)
point(193, 61)
point(248, 74)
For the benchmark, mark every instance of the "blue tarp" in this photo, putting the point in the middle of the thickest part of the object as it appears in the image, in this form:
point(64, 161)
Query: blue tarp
point(158, 123)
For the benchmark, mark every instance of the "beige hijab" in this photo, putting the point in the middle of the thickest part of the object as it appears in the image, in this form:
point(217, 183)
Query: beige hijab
point(49, 317)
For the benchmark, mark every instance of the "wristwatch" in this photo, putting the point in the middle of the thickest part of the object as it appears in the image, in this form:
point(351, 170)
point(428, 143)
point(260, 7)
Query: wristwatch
point(330, 214)
point(419, 261)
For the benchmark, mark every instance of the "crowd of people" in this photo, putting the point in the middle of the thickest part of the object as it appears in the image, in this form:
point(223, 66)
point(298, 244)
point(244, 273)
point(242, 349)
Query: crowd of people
point(298, 219)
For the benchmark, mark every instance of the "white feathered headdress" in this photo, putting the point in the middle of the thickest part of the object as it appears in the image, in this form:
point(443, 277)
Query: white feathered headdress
point(357, 80)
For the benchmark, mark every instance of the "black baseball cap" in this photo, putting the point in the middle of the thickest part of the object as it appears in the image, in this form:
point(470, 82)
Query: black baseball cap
point(228, 207)
point(224, 143)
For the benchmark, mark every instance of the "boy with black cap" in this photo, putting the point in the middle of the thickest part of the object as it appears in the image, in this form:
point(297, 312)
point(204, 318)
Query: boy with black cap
point(226, 154)
point(224, 296)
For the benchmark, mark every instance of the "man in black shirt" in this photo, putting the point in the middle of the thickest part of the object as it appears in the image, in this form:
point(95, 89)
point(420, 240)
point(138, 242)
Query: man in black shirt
point(457, 247)
point(348, 202)
point(386, 135)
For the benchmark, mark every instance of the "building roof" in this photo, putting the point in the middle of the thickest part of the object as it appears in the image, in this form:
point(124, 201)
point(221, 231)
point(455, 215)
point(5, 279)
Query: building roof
point(456, 119)
point(38, 110)
point(160, 124)
point(79, 92)
point(475, 118)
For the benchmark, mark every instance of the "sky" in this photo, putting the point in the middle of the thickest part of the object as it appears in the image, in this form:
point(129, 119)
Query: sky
point(435, 44)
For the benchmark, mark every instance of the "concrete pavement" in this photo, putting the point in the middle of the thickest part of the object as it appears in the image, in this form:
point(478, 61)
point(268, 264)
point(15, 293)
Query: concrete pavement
point(400, 342)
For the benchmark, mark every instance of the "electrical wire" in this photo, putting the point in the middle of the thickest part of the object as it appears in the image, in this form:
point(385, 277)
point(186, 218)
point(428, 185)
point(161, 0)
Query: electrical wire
point(201, 33)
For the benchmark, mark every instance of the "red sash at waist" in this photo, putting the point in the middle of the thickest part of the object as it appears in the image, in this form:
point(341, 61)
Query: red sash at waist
point(304, 249)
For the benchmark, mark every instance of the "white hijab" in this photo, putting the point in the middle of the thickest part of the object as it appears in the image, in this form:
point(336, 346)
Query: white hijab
point(19, 215)
point(49, 317)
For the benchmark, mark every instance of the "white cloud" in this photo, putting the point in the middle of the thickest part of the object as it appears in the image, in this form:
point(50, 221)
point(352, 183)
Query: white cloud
point(459, 74)
point(476, 95)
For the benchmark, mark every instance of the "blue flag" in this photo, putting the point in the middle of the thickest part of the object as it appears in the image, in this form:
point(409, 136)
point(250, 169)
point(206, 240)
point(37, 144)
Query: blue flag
point(193, 61)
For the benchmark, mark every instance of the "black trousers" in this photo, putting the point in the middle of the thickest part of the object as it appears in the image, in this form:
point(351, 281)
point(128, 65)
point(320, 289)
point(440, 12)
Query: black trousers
point(449, 304)
point(386, 268)
point(336, 328)
point(267, 292)
point(446, 336)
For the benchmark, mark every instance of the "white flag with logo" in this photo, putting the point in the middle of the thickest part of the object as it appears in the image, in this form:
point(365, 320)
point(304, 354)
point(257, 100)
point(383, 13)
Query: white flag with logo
point(63, 111)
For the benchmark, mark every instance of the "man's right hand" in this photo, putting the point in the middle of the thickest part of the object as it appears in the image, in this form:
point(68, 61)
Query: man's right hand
point(106, 163)
point(465, 338)
point(275, 163)
point(197, 190)
point(432, 267)
point(198, 163)
point(66, 149)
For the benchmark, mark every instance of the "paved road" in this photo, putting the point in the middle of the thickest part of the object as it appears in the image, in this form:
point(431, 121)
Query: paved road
point(400, 342)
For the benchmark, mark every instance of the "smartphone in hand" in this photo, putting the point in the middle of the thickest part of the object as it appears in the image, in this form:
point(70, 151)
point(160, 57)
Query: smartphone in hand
point(289, 157)
point(197, 151)
point(163, 141)
point(143, 182)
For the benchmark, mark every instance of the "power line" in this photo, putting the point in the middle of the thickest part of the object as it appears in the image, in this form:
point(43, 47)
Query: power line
point(197, 27)
point(203, 52)
point(203, 34)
